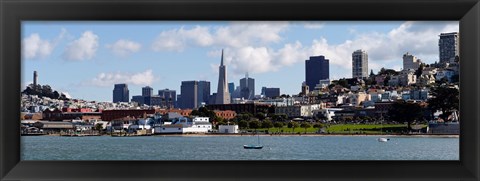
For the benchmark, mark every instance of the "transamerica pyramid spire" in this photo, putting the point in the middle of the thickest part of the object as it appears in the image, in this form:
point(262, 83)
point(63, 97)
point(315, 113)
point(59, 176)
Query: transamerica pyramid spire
point(223, 96)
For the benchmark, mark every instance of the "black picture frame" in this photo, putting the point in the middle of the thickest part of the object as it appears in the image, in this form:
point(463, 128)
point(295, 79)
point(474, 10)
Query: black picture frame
point(12, 12)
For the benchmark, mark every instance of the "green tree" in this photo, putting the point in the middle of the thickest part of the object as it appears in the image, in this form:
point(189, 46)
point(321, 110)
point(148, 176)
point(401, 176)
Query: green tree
point(267, 124)
point(305, 126)
point(293, 125)
point(260, 115)
point(445, 99)
point(278, 125)
point(343, 82)
point(319, 126)
point(254, 124)
point(98, 127)
point(406, 112)
point(243, 124)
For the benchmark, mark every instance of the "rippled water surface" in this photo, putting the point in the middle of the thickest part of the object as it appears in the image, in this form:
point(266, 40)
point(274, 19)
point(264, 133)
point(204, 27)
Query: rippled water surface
point(231, 148)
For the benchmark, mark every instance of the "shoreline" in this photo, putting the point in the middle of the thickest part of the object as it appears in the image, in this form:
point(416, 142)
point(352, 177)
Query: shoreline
point(281, 135)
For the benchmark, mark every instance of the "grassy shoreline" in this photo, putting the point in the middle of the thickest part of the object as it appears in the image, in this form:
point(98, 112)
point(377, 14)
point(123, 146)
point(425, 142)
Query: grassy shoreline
point(308, 134)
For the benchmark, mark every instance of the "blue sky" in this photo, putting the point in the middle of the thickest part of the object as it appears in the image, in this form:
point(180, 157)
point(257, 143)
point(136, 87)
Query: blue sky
point(85, 58)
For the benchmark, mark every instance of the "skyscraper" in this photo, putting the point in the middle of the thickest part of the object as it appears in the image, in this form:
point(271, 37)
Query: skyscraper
point(247, 87)
point(223, 96)
point(147, 91)
point(203, 92)
point(120, 93)
point(449, 46)
point(316, 69)
point(359, 64)
point(231, 87)
point(189, 94)
point(270, 92)
point(170, 97)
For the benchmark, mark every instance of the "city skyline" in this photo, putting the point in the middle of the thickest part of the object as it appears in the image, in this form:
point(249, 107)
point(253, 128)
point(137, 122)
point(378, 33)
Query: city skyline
point(90, 61)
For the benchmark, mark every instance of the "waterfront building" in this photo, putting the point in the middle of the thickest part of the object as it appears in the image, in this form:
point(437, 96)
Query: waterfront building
point(120, 93)
point(316, 69)
point(223, 96)
point(359, 64)
point(185, 125)
point(170, 97)
point(231, 129)
point(270, 92)
point(449, 47)
point(327, 113)
point(410, 62)
point(247, 87)
point(147, 91)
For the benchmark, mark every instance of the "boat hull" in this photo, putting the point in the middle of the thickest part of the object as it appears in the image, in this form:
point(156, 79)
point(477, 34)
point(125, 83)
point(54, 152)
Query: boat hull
point(252, 146)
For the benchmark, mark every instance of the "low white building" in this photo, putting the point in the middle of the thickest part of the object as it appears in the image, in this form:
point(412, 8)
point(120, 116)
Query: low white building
point(228, 129)
point(185, 125)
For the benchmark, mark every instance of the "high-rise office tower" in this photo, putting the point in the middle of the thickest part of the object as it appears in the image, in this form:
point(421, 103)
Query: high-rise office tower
point(147, 91)
point(359, 64)
point(247, 87)
point(223, 96)
point(449, 46)
point(316, 69)
point(120, 93)
point(203, 92)
point(170, 97)
point(270, 92)
point(189, 94)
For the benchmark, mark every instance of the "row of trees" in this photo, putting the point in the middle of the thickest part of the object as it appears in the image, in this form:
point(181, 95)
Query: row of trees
point(256, 124)
point(444, 99)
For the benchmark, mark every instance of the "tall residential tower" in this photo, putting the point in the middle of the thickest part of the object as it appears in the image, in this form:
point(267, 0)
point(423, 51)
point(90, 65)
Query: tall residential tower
point(449, 46)
point(359, 64)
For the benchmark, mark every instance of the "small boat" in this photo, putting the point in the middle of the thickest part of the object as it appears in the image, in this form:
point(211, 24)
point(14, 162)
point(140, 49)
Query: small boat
point(258, 146)
point(253, 146)
point(383, 139)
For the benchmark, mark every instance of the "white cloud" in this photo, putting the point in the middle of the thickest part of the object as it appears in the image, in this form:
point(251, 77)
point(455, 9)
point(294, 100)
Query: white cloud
point(82, 48)
point(237, 34)
point(34, 46)
point(109, 79)
point(248, 46)
point(313, 25)
point(124, 47)
point(178, 39)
